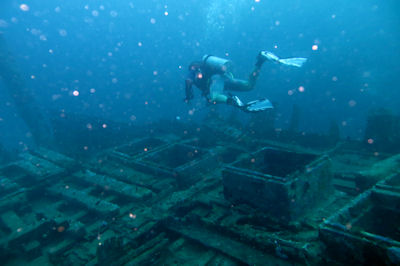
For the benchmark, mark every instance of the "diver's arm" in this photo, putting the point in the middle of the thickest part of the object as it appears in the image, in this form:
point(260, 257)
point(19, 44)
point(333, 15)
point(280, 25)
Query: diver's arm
point(188, 89)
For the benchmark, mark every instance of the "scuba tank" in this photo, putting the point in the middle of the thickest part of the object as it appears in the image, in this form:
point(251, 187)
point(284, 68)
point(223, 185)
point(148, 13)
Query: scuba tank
point(216, 65)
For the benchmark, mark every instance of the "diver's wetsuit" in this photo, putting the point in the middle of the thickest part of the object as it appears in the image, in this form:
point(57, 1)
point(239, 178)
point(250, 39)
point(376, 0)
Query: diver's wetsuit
point(201, 76)
point(213, 78)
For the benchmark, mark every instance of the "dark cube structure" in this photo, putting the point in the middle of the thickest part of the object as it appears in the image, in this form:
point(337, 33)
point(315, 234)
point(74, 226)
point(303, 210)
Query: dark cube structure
point(367, 231)
point(284, 184)
point(183, 162)
point(136, 148)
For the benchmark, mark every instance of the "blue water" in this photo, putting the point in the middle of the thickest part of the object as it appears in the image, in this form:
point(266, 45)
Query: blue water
point(127, 59)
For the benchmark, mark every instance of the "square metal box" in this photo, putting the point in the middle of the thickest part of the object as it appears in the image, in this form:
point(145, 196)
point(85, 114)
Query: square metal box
point(366, 231)
point(282, 183)
point(127, 152)
point(184, 162)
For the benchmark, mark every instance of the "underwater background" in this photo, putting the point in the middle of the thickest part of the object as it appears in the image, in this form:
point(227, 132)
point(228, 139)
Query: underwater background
point(128, 59)
point(102, 162)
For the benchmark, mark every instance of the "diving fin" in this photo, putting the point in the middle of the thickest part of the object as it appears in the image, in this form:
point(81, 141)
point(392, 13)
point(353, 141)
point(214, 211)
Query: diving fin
point(258, 105)
point(295, 61)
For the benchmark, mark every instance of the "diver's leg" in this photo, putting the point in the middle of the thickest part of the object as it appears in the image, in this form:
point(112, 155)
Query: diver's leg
point(231, 99)
point(218, 98)
point(246, 85)
point(233, 84)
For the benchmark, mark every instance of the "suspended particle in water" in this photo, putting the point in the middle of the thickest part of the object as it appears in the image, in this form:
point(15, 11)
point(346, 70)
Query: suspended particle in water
point(24, 7)
point(3, 23)
point(301, 89)
point(113, 13)
point(62, 32)
point(314, 47)
point(95, 13)
point(153, 21)
point(352, 103)
point(75, 93)
point(55, 97)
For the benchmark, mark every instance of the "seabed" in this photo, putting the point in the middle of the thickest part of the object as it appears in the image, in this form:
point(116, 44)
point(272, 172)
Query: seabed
point(220, 196)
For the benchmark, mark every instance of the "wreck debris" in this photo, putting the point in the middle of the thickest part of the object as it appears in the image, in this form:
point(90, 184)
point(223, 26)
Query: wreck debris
point(164, 200)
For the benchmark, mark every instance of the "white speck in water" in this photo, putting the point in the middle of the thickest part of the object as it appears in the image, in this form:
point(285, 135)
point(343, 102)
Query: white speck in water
point(24, 7)
point(62, 32)
point(3, 24)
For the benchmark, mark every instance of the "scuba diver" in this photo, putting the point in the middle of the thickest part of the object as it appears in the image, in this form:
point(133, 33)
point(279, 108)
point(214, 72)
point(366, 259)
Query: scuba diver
point(213, 77)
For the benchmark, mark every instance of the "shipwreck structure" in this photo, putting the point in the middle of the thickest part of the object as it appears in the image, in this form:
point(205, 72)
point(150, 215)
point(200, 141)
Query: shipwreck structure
point(211, 198)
